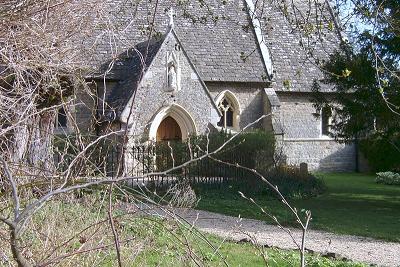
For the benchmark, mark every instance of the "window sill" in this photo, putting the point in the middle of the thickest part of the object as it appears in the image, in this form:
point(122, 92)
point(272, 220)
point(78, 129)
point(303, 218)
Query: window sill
point(316, 139)
point(230, 130)
point(326, 137)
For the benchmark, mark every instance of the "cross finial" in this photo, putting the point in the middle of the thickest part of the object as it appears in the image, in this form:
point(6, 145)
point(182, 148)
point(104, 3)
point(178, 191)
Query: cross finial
point(171, 18)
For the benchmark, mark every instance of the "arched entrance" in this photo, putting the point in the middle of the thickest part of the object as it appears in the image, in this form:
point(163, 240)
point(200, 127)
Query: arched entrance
point(169, 130)
point(168, 120)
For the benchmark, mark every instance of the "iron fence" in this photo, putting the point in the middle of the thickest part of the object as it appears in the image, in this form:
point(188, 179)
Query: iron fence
point(160, 164)
point(163, 164)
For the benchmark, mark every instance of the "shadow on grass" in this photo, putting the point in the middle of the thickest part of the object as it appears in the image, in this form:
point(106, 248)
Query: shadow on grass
point(353, 204)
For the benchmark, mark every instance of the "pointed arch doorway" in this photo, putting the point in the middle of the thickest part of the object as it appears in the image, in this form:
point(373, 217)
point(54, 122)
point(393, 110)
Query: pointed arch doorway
point(172, 123)
point(169, 130)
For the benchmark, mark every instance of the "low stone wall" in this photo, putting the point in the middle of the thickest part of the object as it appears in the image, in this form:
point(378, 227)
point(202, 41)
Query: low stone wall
point(320, 155)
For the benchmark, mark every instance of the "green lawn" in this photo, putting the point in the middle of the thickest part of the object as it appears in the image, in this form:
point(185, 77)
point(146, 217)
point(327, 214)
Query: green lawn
point(353, 204)
point(145, 241)
point(166, 252)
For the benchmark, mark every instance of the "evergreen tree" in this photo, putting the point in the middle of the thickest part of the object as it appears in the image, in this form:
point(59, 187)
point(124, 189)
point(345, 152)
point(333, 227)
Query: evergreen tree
point(366, 74)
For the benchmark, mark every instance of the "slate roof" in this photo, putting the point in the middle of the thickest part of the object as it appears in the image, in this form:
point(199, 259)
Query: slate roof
point(223, 49)
point(296, 65)
point(129, 70)
point(221, 42)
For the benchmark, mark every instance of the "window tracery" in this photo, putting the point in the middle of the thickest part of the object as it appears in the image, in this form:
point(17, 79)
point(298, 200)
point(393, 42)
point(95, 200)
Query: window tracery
point(229, 108)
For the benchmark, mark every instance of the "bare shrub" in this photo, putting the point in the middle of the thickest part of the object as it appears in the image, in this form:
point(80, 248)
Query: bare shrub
point(182, 196)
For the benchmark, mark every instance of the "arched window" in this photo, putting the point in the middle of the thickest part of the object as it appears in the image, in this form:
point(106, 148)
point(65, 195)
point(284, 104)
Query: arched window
point(230, 110)
point(226, 109)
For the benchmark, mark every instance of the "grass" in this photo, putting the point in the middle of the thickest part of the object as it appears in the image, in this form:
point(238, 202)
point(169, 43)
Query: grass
point(146, 241)
point(353, 204)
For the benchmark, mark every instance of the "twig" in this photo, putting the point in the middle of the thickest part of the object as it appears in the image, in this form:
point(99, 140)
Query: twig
point(112, 225)
point(13, 186)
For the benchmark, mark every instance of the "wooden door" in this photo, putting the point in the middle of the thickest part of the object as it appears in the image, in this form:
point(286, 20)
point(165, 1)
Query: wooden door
point(169, 130)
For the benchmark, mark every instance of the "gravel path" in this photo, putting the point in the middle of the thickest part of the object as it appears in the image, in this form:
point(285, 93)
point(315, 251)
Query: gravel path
point(355, 248)
point(361, 249)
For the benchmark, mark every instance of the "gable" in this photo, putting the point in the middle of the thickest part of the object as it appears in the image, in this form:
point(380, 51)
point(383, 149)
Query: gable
point(152, 92)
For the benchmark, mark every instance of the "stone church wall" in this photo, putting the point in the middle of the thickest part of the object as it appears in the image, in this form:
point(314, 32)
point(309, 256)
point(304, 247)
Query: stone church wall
point(151, 96)
point(302, 130)
point(297, 119)
point(84, 108)
point(321, 155)
point(249, 96)
point(87, 103)
point(303, 141)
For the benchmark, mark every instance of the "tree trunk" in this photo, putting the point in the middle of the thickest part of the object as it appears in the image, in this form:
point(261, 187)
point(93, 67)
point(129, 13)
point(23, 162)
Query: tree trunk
point(33, 143)
point(40, 149)
point(17, 255)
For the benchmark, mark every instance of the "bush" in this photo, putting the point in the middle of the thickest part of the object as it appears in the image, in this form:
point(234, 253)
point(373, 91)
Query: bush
point(293, 184)
point(389, 178)
point(99, 159)
point(290, 183)
point(381, 153)
point(250, 149)
point(254, 150)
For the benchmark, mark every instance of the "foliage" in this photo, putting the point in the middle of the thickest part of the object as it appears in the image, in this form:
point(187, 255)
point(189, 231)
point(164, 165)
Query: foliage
point(40, 70)
point(294, 184)
point(353, 204)
point(98, 159)
point(389, 178)
point(254, 150)
point(251, 149)
point(366, 78)
point(255, 147)
point(290, 182)
point(381, 153)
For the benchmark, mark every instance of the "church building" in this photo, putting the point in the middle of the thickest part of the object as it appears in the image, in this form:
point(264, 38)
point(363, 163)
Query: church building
point(222, 72)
